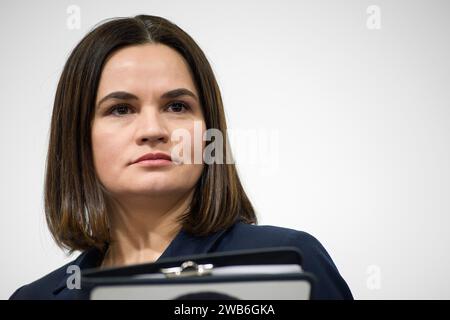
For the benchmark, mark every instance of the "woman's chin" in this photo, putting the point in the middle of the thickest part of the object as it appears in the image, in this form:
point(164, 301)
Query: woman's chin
point(153, 191)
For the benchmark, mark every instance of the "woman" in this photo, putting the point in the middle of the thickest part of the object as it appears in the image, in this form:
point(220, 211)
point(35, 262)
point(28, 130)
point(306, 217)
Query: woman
point(116, 189)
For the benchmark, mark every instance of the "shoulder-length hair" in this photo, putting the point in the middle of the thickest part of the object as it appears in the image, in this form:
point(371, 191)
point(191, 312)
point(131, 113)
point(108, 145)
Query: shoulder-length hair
point(75, 200)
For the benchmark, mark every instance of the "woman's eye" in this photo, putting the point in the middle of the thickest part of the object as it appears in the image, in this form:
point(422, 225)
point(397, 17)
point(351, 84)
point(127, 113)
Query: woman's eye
point(119, 109)
point(123, 109)
point(177, 107)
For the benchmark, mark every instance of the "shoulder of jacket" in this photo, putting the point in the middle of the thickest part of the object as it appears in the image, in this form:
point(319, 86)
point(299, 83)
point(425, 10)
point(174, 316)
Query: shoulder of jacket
point(43, 287)
point(276, 235)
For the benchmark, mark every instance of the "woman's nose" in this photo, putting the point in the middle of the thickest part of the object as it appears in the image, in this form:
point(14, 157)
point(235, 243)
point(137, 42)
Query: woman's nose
point(151, 127)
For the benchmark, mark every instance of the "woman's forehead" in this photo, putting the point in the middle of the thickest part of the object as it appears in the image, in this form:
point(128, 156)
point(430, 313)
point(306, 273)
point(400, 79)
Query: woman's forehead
point(147, 67)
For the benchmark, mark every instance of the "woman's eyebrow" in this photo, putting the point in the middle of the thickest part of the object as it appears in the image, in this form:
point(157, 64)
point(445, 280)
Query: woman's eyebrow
point(123, 95)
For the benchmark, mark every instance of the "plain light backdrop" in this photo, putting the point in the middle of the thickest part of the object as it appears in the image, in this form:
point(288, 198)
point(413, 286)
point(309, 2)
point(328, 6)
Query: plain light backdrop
point(358, 93)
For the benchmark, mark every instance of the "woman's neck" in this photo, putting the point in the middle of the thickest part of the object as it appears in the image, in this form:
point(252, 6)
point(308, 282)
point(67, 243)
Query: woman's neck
point(142, 228)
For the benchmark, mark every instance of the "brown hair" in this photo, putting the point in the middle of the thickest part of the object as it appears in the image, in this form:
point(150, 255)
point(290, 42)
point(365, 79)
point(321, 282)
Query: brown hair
point(75, 203)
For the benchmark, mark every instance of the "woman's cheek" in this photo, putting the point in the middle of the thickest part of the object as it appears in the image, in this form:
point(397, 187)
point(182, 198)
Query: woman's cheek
point(105, 153)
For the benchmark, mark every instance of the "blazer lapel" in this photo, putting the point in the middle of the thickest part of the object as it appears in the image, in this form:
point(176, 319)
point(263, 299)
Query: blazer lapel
point(183, 244)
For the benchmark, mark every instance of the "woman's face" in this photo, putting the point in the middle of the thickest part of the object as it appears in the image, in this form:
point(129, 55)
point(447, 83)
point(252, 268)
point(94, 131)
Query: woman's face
point(125, 128)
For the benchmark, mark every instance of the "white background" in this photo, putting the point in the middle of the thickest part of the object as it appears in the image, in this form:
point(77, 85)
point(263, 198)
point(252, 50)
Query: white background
point(362, 117)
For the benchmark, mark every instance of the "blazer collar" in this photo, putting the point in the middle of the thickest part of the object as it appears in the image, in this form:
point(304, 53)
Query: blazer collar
point(183, 244)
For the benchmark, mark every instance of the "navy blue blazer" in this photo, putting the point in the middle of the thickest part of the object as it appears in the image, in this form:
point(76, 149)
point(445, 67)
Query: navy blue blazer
point(316, 260)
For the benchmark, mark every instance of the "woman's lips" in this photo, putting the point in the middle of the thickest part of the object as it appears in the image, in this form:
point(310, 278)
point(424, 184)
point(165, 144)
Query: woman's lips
point(154, 163)
point(155, 159)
